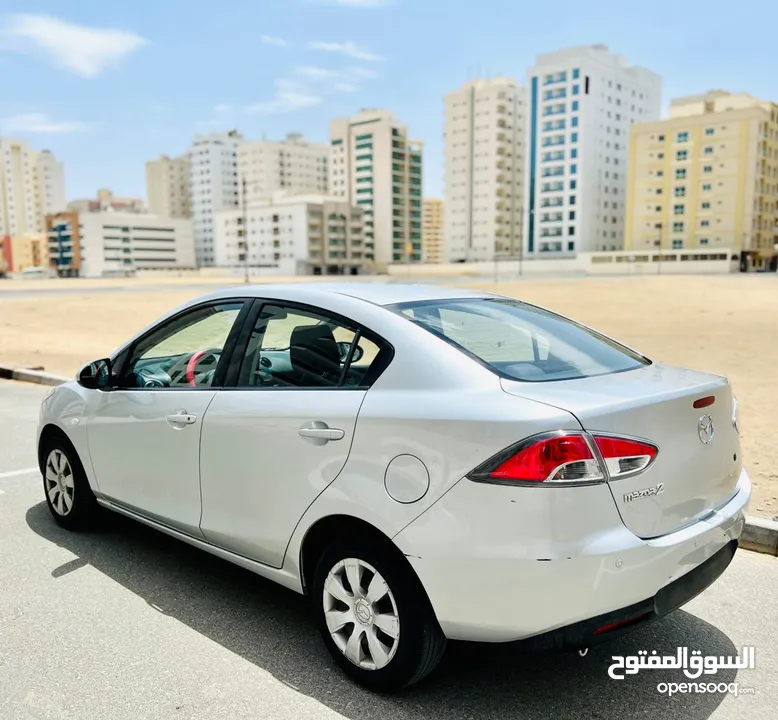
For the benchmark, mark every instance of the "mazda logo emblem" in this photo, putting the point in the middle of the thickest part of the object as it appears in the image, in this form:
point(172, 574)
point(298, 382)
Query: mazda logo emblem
point(705, 429)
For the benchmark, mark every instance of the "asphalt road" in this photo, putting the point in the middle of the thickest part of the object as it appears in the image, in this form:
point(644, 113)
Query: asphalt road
point(128, 624)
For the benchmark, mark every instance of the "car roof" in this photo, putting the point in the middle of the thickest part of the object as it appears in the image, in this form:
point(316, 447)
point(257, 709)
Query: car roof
point(378, 293)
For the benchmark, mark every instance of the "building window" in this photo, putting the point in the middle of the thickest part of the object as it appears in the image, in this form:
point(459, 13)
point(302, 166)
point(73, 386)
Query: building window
point(709, 150)
point(677, 244)
point(706, 187)
point(681, 155)
point(705, 223)
point(572, 184)
point(573, 169)
point(571, 215)
point(574, 137)
point(707, 168)
point(677, 227)
point(708, 131)
point(678, 209)
point(682, 137)
point(660, 156)
point(574, 122)
point(660, 173)
point(576, 74)
point(575, 106)
point(703, 241)
point(574, 153)
point(706, 206)
point(680, 192)
point(575, 89)
point(571, 201)
point(661, 138)
point(571, 230)
point(680, 174)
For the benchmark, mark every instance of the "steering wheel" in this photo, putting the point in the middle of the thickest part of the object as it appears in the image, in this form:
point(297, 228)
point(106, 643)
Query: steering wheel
point(196, 358)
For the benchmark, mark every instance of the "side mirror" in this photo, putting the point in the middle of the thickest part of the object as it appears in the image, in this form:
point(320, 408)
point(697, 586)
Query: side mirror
point(345, 349)
point(96, 375)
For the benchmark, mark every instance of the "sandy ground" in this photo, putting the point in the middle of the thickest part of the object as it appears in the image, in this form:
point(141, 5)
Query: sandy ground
point(722, 324)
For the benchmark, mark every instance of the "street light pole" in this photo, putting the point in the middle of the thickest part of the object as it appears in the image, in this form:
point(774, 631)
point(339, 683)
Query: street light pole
point(245, 235)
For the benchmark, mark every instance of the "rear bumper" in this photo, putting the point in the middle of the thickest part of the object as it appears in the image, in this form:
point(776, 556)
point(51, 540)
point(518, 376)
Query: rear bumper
point(555, 565)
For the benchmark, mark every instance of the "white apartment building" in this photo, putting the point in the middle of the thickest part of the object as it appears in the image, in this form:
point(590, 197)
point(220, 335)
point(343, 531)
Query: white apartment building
point(581, 104)
point(293, 164)
point(213, 178)
point(167, 186)
point(49, 186)
point(293, 235)
point(484, 170)
point(375, 166)
point(104, 243)
point(31, 184)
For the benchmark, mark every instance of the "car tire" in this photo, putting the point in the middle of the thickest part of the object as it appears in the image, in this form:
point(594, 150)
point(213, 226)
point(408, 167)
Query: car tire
point(65, 486)
point(385, 636)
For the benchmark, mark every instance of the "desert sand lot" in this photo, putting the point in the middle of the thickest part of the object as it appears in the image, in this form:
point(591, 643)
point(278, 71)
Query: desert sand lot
point(723, 324)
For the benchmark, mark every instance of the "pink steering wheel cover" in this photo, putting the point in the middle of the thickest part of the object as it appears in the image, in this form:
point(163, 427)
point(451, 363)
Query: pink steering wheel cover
point(191, 365)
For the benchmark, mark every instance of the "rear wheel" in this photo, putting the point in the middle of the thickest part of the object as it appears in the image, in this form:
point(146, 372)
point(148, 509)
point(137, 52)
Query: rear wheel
point(374, 616)
point(68, 495)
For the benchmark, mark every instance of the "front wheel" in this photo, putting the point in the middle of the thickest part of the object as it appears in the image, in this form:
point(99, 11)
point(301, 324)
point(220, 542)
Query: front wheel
point(68, 495)
point(374, 616)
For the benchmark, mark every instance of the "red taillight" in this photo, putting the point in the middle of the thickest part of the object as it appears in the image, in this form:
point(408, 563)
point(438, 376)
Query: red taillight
point(704, 402)
point(623, 456)
point(567, 457)
point(558, 457)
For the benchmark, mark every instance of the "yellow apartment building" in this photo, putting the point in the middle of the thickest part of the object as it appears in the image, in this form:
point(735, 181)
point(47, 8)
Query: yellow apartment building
point(707, 177)
point(23, 252)
point(432, 231)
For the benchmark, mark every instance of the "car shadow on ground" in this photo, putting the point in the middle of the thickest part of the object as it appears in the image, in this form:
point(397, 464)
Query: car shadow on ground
point(272, 628)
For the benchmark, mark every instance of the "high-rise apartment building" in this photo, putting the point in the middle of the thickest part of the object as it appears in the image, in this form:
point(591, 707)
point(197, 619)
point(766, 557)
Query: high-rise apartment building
point(167, 186)
point(49, 178)
point(293, 164)
point(707, 177)
point(582, 102)
point(213, 178)
point(484, 169)
point(432, 238)
point(374, 165)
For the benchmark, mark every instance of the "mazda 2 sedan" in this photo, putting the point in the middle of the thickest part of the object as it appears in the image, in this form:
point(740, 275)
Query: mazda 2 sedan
point(425, 463)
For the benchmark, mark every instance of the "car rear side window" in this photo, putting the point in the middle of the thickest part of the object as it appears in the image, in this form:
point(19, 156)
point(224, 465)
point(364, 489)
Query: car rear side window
point(520, 341)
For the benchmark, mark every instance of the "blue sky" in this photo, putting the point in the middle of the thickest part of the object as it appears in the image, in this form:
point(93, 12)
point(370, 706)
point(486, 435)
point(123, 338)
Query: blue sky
point(107, 86)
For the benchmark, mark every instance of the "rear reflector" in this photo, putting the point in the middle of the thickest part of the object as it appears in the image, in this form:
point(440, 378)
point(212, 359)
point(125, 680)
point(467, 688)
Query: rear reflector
point(704, 402)
point(622, 623)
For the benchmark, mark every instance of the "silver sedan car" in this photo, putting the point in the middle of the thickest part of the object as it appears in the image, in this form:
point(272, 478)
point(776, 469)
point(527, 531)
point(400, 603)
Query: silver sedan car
point(425, 463)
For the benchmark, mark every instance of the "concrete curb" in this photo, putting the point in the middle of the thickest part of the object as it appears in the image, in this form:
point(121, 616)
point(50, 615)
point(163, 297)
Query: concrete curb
point(759, 534)
point(32, 376)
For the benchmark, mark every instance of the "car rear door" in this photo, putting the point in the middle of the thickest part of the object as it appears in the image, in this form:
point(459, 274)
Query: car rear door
point(281, 429)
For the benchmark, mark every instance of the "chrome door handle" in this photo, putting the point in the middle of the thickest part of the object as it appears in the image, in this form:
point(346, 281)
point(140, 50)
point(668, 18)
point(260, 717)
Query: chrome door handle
point(181, 419)
point(318, 430)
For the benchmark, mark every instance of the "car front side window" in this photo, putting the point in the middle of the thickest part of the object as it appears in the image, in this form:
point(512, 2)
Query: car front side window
point(184, 352)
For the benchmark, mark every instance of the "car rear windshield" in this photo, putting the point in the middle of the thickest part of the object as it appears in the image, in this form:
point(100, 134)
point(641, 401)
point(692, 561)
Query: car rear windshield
point(520, 341)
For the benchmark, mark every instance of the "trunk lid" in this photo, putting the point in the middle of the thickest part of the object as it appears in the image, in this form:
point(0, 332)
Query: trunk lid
point(655, 403)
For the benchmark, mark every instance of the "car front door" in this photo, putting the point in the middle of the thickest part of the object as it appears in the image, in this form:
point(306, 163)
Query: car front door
point(144, 432)
point(275, 439)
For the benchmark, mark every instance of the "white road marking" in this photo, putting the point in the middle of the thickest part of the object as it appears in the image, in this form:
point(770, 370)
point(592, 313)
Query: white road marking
point(14, 473)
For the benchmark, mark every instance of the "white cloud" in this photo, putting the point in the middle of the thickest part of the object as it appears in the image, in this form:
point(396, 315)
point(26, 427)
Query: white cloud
point(345, 87)
point(40, 124)
point(271, 40)
point(290, 95)
point(314, 72)
point(348, 48)
point(362, 72)
point(86, 51)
